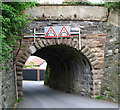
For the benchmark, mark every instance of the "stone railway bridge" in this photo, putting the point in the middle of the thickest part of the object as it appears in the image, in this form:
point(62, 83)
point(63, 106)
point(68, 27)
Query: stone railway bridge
point(70, 69)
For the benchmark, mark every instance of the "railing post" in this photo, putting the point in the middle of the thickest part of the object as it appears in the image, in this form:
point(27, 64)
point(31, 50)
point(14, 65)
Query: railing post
point(34, 34)
point(79, 40)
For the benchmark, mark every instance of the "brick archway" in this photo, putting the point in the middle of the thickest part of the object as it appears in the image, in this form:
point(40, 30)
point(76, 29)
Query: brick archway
point(64, 41)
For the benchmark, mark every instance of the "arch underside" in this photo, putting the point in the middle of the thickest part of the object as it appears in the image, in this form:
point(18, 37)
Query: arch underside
point(71, 69)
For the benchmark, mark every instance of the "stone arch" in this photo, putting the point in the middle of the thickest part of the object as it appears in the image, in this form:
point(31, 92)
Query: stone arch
point(49, 42)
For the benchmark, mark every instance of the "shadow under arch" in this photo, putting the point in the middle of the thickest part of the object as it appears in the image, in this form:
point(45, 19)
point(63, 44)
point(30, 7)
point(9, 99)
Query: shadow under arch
point(70, 69)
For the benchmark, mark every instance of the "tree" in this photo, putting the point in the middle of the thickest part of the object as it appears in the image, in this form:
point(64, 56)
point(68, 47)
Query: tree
point(31, 64)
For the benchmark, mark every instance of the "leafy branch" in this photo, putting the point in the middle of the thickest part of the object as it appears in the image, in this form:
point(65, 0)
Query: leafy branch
point(14, 21)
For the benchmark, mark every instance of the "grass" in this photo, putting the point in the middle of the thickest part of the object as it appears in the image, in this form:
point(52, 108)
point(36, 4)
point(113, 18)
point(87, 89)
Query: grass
point(100, 97)
point(17, 101)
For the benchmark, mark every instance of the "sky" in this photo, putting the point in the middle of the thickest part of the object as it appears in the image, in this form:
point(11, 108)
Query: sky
point(60, 1)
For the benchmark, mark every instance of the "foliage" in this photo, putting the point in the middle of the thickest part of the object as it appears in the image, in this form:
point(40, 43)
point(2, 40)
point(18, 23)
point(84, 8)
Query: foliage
point(17, 101)
point(26, 66)
point(31, 65)
point(112, 5)
point(14, 21)
point(84, 3)
point(109, 5)
point(100, 97)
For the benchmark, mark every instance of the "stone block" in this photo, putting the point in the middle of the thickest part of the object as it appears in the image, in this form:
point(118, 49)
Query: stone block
point(27, 53)
point(90, 56)
point(96, 93)
point(58, 41)
point(64, 41)
point(110, 52)
point(19, 83)
point(69, 42)
point(20, 89)
point(97, 76)
point(94, 63)
point(22, 60)
point(88, 52)
point(29, 50)
point(116, 51)
point(24, 57)
point(36, 45)
point(114, 17)
point(84, 50)
point(19, 73)
point(32, 49)
point(19, 64)
point(97, 66)
point(44, 42)
point(41, 43)
point(96, 71)
point(19, 78)
point(73, 44)
point(92, 59)
point(48, 42)
point(18, 68)
point(20, 94)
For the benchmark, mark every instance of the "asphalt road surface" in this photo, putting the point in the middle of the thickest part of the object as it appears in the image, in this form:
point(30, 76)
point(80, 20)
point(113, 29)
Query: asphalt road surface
point(37, 95)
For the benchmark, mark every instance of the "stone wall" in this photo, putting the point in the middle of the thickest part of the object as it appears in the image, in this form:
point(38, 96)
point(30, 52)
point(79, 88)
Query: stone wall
point(111, 61)
point(8, 93)
point(92, 24)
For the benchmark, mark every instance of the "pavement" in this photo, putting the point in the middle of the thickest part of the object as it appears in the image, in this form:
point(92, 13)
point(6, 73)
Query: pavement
point(37, 95)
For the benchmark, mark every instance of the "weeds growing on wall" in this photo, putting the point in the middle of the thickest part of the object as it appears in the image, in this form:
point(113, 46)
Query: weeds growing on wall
point(84, 3)
point(113, 5)
point(109, 5)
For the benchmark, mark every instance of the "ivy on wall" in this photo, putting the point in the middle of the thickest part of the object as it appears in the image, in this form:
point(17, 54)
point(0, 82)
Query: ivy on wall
point(14, 21)
point(113, 5)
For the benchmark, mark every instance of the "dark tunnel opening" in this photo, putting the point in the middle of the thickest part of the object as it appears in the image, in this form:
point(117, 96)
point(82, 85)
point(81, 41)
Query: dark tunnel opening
point(68, 69)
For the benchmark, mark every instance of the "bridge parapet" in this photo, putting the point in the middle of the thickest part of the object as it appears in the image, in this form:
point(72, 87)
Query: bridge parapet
point(63, 12)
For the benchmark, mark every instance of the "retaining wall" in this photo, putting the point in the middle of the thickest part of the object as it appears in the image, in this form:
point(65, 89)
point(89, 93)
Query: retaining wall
point(112, 59)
